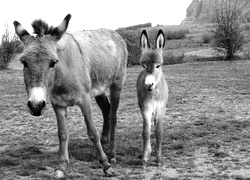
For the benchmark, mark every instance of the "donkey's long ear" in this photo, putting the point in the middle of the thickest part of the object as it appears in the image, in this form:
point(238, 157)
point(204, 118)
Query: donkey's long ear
point(144, 41)
point(20, 31)
point(160, 40)
point(61, 28)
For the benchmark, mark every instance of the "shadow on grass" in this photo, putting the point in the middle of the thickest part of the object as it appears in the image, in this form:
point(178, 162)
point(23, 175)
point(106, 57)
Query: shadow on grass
point(27, 161)
point(178, 141)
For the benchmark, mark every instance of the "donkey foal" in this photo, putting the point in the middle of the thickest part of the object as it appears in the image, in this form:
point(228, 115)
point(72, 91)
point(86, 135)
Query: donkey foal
point(152, 93)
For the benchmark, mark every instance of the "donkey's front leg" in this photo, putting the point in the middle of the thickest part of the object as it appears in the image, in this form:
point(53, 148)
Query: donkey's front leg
point(147, 116)
point(63, 135)
point(86, 108)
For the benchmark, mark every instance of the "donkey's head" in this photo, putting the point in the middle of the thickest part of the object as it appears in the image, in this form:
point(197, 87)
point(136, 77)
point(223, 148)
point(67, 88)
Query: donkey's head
point(152, 59)
point(39, 60)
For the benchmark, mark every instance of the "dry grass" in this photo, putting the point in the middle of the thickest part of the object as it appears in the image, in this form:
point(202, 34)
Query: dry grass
point(206, 129)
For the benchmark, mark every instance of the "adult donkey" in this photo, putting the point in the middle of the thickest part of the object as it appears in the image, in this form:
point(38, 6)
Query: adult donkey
point(152, 93)
point(69, 68)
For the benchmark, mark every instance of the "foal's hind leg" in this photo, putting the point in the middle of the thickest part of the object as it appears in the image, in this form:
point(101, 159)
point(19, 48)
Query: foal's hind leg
point(115, 91)
point(104, 105)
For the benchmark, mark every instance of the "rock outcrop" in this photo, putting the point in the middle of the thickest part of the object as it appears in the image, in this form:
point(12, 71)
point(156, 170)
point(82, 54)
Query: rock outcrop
point(200, 11)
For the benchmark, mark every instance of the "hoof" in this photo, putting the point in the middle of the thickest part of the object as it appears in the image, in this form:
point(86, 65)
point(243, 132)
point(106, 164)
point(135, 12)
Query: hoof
point(158, 162)
point(59, 174)
point(112, 157)
point(144, 164)
point(110, 172)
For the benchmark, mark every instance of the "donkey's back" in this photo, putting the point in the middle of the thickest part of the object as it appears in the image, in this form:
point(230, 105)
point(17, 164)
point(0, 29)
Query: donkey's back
point(102, 52)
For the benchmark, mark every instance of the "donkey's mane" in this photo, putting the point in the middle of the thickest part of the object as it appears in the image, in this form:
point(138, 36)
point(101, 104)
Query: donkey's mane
point(41, 28)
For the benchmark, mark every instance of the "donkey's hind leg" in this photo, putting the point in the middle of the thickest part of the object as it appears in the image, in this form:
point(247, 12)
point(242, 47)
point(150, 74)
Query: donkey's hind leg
point(104, 105)
point(115, 91)
point(86, 109)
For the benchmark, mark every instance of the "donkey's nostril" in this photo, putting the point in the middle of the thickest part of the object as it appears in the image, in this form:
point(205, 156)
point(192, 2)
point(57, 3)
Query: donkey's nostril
point(36, 109)
point(43, 104)
point(29, 104)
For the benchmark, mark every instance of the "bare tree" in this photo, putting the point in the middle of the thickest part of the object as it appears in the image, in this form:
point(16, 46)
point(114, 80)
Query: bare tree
point(227, 18)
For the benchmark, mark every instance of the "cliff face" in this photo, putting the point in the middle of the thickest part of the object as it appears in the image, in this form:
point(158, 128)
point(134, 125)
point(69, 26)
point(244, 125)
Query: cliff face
point(200, 11)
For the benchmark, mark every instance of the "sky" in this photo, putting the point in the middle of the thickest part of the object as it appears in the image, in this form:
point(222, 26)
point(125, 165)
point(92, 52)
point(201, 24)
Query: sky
point(92, 14)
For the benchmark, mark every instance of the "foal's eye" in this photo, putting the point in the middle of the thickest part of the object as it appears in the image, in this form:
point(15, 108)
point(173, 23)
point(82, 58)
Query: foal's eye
point(143, 66)
point(158, 66)
point(52, 64)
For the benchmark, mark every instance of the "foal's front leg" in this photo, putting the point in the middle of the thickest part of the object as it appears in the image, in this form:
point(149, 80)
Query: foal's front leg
point(63, 135)
point(147, 116)
point(86, 109)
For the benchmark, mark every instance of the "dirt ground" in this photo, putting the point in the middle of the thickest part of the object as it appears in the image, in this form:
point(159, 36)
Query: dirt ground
point(206, 129)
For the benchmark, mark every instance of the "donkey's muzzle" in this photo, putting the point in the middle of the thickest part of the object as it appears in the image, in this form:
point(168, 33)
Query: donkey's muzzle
point(36, 108)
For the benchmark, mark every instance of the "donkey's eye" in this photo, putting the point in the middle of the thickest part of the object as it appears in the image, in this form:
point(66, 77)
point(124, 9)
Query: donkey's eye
point(52, 64)
point(158, 66)
point(143, 66)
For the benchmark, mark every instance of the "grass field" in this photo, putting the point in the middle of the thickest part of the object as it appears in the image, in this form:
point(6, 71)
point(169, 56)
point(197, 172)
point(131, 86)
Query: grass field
point(206, 129)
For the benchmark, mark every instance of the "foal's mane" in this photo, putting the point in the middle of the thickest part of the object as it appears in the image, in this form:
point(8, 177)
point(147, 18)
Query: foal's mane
point(41, 28)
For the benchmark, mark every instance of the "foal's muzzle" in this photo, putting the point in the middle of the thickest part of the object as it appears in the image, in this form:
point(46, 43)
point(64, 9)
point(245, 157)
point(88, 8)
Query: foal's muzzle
point(36, 108)
point(149, 87)
point(149, 82)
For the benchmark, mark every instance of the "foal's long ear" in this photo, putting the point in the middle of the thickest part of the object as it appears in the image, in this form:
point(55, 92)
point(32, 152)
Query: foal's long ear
point(160, 40)
point(20, 31)
point(61, 28)
point(144, 41)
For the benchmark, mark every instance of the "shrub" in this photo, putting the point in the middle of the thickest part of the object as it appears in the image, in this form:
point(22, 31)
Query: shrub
point(206, 38)
point(180, 34)
point(135, 27)
point(248, 19)
point(9, 46)
point(170, 59)
point(227, 33)
point(131, 37)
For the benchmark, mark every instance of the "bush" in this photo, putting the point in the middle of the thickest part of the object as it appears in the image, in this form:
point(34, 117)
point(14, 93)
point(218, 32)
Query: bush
point(170, 59)
point(131, 37)
point(248, 19)
point(206, 38)
point(9, 46)
point(135, 27)
point(180, 34)
point(227, 32)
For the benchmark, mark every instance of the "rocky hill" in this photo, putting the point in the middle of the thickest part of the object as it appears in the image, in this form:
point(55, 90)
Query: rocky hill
point(199, 11)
